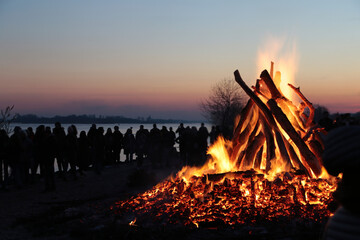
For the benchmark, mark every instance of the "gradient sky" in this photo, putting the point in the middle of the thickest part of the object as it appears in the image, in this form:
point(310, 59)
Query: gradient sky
point(161, 58)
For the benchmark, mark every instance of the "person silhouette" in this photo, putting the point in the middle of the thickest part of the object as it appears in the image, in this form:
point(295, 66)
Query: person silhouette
point(117, 143)
point(141, 142)
point(129, 145)
point(342, 155)
point(59, 134)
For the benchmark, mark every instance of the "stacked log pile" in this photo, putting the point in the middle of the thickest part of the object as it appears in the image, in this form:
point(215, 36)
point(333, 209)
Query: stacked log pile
point(271, 127)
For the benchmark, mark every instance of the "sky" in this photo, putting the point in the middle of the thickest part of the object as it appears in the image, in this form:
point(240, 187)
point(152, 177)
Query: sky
point(161, 58)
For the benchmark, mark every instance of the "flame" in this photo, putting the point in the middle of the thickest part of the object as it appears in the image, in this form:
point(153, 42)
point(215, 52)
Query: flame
point(261, 174)
point(132, 223)
point(284, 53)
point(219, 163)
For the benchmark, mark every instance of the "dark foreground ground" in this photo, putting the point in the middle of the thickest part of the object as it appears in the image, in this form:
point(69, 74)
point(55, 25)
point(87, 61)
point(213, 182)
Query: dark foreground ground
point(80, 209)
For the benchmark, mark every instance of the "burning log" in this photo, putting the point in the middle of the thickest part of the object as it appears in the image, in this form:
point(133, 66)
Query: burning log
point(252, 150)
point(275, 93)
point(265, 111)
point(265, 173)
point(308, 104)
point(294, 136)
point(257, 163)
point(287, 127)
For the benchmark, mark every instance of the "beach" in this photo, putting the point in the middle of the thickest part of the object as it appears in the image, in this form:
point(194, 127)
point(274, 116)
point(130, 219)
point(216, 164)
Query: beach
point(75, 206)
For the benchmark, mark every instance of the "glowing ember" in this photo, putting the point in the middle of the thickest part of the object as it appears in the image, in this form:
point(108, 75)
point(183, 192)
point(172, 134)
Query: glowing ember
point(271, 169)
point(231, 199)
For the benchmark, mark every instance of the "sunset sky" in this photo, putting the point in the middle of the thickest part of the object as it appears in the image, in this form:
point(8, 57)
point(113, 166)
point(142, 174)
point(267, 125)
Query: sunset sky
point(161, 58)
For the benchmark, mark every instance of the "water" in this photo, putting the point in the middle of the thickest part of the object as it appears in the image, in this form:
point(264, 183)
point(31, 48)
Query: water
point(122, 127)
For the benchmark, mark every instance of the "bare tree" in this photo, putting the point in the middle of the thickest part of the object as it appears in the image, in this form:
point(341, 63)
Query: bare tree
point(224, 104)
point(7, 118)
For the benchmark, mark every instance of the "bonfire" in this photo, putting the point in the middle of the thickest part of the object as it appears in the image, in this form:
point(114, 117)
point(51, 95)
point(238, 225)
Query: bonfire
point(270, 169)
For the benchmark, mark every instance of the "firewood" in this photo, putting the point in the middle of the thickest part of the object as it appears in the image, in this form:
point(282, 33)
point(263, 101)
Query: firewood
point(274, 87)
point(295, 161)
point(240, 142)
point(244, 139)
point(294, 136)
point(283, 151)
point(316, 148)
point(308, 104)
point(244, 115)
point(270, 84)
point(270, 144)
point(258, 158)
point(272, 70)
point(251, 151)
point(264, 110)
point(295, 119)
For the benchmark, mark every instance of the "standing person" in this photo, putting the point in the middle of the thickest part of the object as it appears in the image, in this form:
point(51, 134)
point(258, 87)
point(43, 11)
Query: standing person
point(99, 150)
point(109, 155)
point(164, 147)
point(16, 152)
point(92, 135)
point(342, 155)
point(193, 146)
point(71, 149)
point(59, 134)
point(168, 140)
point(141, 141)
point(154, 145)
point(172, 139)
point(117, 143)
point(129, 145)
point(38, 151)
point(203, 134)
point(83, 153)
point(49, 148)
point(28, 156)
point(181, 140)
point(213, 135)
point(4, 143)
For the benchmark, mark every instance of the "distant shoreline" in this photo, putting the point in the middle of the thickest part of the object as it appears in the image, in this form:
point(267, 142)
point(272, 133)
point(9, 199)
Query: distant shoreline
point(89, 119)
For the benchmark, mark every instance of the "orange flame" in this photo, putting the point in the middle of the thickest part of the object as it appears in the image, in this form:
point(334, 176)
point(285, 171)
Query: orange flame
point(284, 53)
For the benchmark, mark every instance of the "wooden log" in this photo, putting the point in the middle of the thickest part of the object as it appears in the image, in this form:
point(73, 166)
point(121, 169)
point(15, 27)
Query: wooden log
point(282, 149)
point(272, 70)
point(262, 89)
point(274, 87)
point(308, 104)
point(243, 116)
point(254, 131)
point(295, 120)
point(294, 136)
point(295, 161)
point(251, 151)
point(240, 141)
point(242, 145)
point(275, 93)
point(263, 108)
point(270, 144)
point(258, 158)
point(316, 148)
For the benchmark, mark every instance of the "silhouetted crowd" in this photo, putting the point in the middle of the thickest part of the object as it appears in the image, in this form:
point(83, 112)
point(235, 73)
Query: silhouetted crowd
point(27, 155)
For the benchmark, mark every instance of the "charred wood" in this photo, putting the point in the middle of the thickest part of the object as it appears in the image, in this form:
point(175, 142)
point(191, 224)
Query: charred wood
point(308, 104)
point(251, 151)
point(275, 93)
point(294, 136)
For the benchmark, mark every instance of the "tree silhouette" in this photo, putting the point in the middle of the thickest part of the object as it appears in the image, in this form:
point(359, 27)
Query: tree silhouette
point(7, 118)
point(223, 104)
